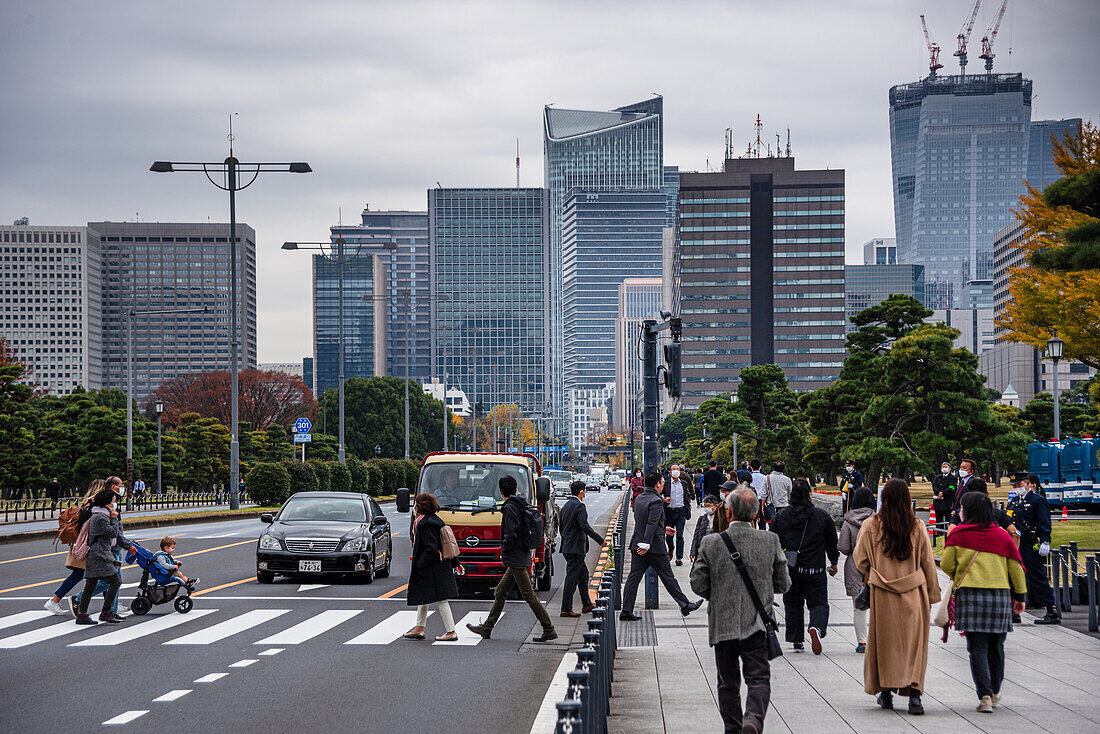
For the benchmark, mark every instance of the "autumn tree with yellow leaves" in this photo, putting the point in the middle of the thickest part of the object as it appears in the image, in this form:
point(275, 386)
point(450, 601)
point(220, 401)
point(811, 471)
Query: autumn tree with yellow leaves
point(1057, 293)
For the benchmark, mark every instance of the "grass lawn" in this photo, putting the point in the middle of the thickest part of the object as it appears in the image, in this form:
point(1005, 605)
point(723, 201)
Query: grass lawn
point(1085, 532)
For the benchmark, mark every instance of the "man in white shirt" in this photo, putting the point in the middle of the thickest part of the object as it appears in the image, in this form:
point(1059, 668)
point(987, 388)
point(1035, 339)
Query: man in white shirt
point(778, 486)
point(759, 483)
point(677, 510)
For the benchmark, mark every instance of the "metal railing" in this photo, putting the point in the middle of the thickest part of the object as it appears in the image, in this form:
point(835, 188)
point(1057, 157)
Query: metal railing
point(1069, 578)
point(47, 509)
point(1092, 590)
point(588, 693)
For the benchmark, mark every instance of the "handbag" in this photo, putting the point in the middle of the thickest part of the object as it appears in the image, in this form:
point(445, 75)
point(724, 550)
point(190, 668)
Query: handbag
point(770, 626)
point(792, 556)
point(945, 613)
point(862, 600)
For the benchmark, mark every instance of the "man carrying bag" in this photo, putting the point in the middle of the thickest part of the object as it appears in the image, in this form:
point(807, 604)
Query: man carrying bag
point(739, 571)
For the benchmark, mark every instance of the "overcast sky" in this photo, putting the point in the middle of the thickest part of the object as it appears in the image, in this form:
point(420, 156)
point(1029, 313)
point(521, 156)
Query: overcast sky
point(386, 98)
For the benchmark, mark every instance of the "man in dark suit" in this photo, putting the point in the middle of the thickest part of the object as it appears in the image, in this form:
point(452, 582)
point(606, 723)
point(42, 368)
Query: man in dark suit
point(575, 532)
point(712, 480)
point(648, 550)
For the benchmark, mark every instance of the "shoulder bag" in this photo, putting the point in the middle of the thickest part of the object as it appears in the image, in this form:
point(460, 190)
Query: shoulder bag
point(792, 556)
point(767, 510)
point(944, 613)
point(770, 627)
point(449, 543)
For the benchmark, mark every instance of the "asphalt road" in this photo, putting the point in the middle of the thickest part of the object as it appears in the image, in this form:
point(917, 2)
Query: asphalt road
point(297, 655)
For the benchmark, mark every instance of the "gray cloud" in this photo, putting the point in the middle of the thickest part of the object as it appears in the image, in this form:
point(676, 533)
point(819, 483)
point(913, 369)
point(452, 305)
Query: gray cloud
point(385, 99)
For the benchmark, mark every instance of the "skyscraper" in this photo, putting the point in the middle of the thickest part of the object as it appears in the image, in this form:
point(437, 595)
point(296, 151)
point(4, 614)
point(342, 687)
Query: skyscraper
point(1041, 171)
point(487, 260)
point(639, 299)
point(621, 149)
point(880, 251)
point(870, 285)
point(364, 333)
point(959, 152)
point(151, 266)
point(762, 274)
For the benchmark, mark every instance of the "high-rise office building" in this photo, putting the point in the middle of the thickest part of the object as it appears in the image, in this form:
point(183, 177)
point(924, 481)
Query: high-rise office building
point(639, 299)
point(880, 251)
point(959, 152)
point(490, 286)
point(307, 373)
point(620, 149)
point(152, 266)
point(1041, 171)
point(405, 288)
point(52, 312)
point(870, 285)
point(975, 327)
point(607, 236)
point(762, 274)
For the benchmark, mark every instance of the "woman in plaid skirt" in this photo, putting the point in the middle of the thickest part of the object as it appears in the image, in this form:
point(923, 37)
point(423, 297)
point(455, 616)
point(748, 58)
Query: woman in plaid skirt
point(990, 586)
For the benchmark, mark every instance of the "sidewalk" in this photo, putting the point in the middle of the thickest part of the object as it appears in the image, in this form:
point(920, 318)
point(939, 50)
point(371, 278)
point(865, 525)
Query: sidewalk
point(1051, 674)
point(26, 526)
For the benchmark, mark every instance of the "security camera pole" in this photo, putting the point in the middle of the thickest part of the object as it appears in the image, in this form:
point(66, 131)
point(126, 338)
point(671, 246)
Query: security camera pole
point(651, 452)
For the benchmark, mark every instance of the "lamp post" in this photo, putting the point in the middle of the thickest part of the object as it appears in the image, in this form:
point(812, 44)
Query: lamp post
point(1054, 349)
point(340, 259)
point(159, 408)
point(230, 169)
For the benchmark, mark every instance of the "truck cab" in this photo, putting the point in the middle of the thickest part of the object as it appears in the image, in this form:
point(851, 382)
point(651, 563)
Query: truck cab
point(466, 487)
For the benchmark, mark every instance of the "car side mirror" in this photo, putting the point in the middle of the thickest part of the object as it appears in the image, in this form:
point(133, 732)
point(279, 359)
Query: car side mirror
point(378, 520)
point(402, 500)
point(543, 490)
point(267, 517)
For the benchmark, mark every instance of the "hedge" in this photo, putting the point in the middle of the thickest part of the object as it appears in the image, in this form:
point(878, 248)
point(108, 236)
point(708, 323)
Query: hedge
point(302, 477)
point(374, 478)
point(268, 484)
point(339, 477)
point(321, 469)
point(360, 481)
point(410, 475)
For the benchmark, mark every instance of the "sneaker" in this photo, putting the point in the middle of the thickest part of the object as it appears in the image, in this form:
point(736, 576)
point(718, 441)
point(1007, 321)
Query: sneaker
point(916, 708)
point(1050, 618)
point(85, 619)
point(547, 635)
point(53, 607)
point(985, 705)
point(995, 699)
point(686, 610)
point(480, 629)
point(861, 648)
point(815, 640)
point(798, 647)
point(886, 700)
point(74, 606)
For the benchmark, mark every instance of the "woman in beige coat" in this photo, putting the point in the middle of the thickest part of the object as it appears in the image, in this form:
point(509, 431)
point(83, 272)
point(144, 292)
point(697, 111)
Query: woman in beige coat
point(74, 564)
point(895, 558)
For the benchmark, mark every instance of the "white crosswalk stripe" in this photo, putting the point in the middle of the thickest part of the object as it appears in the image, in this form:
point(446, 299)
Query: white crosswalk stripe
point(125, 718)
point(229, 627)
point(310, 628)
point(13, 619)
point(465, 636)
point(388, 630)
point(142, 629)
point(39, 635)
point(172, 695)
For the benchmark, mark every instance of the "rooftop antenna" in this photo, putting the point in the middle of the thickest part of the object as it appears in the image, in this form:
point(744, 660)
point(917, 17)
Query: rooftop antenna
point(758, 143)
point(990, 37)
point(788, 142)
point(517, 163)
point(964, 36)
point(729, 143)
point(933, 50)
point(778, 149)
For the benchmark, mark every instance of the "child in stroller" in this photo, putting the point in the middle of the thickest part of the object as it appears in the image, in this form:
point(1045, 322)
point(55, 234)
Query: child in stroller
point(159, 585)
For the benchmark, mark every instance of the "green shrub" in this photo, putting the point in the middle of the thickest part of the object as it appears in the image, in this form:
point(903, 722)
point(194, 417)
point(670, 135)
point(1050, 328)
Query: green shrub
point(268, 484)
point(360, 481)
point(410, 475)
point(374, 478)
point(302, 477)
point(339, 477)
point(387, 469)
point(321, 469)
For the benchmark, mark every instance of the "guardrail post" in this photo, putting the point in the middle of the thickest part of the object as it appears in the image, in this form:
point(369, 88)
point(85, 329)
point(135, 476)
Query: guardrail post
point(1091, 587)
point(569, 717)
point(1074, 587)
point(1067, 580)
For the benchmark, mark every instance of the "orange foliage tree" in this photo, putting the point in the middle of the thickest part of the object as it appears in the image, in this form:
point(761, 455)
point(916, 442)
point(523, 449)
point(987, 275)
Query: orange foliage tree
point(266, 397)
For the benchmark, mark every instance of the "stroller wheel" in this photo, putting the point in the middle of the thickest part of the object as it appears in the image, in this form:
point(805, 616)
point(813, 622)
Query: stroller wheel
point(184, 604)
point(140, 605)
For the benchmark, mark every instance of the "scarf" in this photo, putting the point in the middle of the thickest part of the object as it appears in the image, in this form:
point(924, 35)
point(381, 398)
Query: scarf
point(105, 511)
point(988, 538)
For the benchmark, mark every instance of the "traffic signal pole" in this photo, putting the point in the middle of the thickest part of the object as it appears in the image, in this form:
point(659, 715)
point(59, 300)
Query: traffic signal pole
point(651, 451)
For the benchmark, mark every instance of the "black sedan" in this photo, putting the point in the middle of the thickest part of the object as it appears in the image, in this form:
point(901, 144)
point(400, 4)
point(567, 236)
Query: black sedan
point(325, 532)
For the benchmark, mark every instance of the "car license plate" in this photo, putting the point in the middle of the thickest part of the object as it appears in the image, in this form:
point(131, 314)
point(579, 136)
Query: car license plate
point(309, 566)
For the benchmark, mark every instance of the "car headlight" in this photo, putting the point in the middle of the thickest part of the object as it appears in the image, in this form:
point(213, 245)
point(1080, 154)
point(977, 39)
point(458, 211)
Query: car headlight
point(270, 542)
point(356, 544)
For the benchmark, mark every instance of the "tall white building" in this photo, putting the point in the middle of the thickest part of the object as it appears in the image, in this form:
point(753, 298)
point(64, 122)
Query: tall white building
point(51, 315)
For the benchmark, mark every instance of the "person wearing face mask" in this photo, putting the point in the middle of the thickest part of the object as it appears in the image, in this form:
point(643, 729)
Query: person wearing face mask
point(944, 487)
point(677, 510)
point(637, 485)
point(704, 524)
point(967, 471)
point(118, 487)
point(850, 482)
point(105, 542)
point(1033, 517)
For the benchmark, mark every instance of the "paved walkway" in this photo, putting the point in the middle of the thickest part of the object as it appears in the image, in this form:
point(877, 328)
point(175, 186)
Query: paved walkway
point(1052, 674)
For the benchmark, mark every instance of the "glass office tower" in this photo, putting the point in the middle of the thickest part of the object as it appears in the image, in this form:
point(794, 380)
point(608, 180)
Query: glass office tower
point(490, 287)
point(364, 275)
point(618, 149)
point(959, 153)
point(1041, 171)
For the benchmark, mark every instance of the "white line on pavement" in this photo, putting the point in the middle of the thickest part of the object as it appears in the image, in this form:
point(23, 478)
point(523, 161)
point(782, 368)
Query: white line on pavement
point(229, 627)
point(210, 678)
point(39, 635)
point(142, 629)
point(546, 719)
point(310, 628)
point(272, 651)
point(172, 695)
point(243, 663)
point(125, 718)
point(311, 587)
point(13, 619)
point(465, 636)
point(388, 630)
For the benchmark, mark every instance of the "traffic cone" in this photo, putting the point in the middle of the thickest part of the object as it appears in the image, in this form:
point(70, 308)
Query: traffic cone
point(932, 522)
point(1065, 515)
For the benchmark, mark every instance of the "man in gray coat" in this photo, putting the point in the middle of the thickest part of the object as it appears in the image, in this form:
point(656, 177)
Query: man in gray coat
point(736, 630)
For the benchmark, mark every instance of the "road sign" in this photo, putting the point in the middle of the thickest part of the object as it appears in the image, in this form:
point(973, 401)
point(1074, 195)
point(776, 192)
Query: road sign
point(302, 425)
point(303, 437)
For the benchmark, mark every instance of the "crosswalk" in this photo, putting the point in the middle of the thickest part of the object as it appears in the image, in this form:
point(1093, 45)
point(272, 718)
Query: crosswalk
point(202, 627)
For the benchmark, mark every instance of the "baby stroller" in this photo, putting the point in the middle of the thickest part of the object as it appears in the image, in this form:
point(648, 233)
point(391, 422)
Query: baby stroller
point(158, 585)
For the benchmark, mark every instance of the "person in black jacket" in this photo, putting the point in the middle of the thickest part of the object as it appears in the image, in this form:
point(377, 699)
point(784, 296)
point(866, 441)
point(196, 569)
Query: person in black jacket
point(575, 532)
point(944, 486)
point(810, 532)
point(712, 480)
point(517, 560)
point(432, 578)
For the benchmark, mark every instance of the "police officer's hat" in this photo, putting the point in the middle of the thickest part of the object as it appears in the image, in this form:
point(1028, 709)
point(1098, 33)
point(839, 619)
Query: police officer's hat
point(1017, 476)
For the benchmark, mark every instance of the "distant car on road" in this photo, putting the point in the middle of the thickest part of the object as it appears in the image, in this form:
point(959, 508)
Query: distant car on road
point(593, 483)
point(325, 532)
point(560, 480)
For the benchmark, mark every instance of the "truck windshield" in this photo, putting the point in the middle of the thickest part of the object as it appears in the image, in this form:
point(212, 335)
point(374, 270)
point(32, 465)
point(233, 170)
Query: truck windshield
point(557, 475)
point(471, 485)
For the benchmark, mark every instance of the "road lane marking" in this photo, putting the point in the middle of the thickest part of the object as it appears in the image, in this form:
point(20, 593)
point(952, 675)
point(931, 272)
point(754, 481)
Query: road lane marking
point(143, 629)
point(230, 627)
point(125, 718)
point(465, 636)
point(310, 628)
point(172, 695)
point(211, 677)
point(272, 651)
point(311, 587)
point(64, 552)
point(547, 715)
point(393, 592)
point(388, 630)
point(211, 537)
point(14, 619)
point(243, 663)
point(39, 635)
point(224, 586)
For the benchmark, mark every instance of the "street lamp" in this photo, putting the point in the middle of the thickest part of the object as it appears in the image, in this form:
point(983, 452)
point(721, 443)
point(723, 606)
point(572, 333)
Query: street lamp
point(340, 259)
point(230, 169)
point(1054, 349)
point(159, 408)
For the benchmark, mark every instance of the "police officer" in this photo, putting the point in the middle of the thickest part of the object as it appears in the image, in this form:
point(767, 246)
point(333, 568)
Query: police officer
point(944, 486)
point(850, 482)
point(1032, 516)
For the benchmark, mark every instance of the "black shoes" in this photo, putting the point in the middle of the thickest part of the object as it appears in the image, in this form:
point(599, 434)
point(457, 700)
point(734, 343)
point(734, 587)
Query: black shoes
point(916, 708)
point(547, 635)
point(111, 618)
point(1016, 619)
point(1052, 617)
point(886, 700)
point(480, 629)
point(679, 561)
point(628, 617)
point(691, 607)
point(85, 619)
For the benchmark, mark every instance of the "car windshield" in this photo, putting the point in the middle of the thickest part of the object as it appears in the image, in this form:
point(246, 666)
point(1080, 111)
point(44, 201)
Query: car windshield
point(559, 476)
point(324, 509)
point(471, 485)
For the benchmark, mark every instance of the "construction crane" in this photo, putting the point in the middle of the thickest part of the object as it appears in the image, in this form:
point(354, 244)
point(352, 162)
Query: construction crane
point(964, 36)
point(933, 50)
point(990, 37)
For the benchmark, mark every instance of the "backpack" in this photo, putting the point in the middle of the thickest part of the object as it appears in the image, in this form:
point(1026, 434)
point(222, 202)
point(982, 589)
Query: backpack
point(80, 546)
point(68, 526)
point(532, 535)
point(450, 545)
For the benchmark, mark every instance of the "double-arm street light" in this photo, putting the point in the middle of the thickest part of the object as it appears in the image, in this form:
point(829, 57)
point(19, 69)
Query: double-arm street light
point(335, 252)
point(229, 172)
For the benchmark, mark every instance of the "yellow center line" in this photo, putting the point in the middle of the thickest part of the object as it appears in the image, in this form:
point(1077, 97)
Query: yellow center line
point(393, 592)
point(224, 586)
